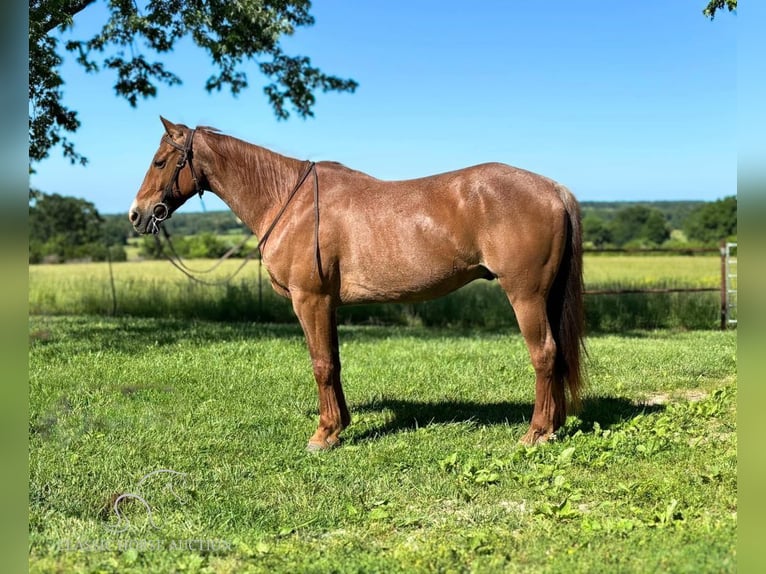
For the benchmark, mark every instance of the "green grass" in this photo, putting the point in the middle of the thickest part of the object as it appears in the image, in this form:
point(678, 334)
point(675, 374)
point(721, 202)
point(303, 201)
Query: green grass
point(156, 289)
point(430, 477)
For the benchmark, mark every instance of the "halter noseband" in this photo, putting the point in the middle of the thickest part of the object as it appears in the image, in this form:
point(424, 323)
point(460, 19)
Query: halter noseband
point(161, 210)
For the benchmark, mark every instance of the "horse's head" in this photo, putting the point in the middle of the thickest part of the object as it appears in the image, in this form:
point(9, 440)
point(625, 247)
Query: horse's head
point(169, 182)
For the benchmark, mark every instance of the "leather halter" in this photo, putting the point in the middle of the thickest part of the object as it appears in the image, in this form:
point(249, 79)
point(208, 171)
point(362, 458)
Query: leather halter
point(161, 210)
point(310, 167)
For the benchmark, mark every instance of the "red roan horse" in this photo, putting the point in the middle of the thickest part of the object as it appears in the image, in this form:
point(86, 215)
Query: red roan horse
point(340, 237)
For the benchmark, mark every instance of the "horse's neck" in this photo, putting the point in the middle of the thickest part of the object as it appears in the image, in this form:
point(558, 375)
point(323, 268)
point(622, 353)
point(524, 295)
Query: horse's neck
point(252, 181)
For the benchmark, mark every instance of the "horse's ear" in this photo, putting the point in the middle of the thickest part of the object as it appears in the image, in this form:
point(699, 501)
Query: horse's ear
point(171, 128)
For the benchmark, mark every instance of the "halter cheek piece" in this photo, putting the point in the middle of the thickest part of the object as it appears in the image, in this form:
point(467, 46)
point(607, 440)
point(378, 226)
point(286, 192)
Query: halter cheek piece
point(161, 210)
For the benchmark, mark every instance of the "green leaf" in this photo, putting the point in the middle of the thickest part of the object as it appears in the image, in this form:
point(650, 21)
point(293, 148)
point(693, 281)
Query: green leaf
point(379, 513)
point(449, 463)
point(566, 455)
point(130, 556)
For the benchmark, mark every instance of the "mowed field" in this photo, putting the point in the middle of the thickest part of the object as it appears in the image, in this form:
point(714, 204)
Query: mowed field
point(430, 477)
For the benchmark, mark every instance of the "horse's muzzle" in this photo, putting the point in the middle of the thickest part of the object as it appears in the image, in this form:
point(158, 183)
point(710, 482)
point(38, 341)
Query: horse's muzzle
point(151, 223)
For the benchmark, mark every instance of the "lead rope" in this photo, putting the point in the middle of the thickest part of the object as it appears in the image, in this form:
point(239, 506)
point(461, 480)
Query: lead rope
point(317, 262)
point(317, 258)
point(259, 248)
point(282, 210)
point(234, 249)
point(178, 264)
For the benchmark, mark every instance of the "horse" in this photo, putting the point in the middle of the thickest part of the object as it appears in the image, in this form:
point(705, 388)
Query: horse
point(332, 236)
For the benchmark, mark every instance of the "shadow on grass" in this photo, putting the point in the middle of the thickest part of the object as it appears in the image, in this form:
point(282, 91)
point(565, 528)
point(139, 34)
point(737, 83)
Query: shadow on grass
point(133, 335)
point(609, 411)
point(410, 415)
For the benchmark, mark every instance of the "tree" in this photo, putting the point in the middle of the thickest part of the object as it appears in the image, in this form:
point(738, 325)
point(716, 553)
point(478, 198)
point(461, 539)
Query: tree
point(596, 231)
point(712, 222)
point(639, 224)
point(75, 220)
point(67, 228)
point(116, 229)
point(232, 33)
point(655, 229)
point(714, 5)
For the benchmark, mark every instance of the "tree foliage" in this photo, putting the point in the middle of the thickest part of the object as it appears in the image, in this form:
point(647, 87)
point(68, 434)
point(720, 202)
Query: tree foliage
point(193, 223)
point(50, 215)
point(203, 245)
point(231, 33)
point(714, 5)
point(639, 224)
point(49, 119)
point(631, 225)
point(62, 228)
point(614, 224)
point(713, 222)
point(596, 231)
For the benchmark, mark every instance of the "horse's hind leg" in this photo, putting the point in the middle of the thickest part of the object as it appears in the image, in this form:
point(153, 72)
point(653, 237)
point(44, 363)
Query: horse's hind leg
point(550, 406)
point(317, 317)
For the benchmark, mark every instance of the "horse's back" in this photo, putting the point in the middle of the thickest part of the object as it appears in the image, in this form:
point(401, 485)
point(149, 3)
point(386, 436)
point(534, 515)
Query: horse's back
point(420, 238)
point(481, 182)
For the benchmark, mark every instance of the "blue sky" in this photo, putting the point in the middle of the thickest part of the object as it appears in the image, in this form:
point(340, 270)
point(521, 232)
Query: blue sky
point(617, 100)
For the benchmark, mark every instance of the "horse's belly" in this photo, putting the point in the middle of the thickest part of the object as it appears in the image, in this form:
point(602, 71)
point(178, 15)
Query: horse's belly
point(392, 282)
point(421, 253)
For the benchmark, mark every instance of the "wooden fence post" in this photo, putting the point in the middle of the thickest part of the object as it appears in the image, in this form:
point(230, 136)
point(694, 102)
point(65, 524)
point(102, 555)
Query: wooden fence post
point(111, 281)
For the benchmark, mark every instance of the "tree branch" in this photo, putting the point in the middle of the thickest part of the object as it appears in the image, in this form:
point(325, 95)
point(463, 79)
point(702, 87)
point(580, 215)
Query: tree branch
point(53, 20)
point(714, 5)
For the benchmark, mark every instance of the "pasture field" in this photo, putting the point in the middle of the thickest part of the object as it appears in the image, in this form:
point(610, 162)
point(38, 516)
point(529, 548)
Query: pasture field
point(651, 270)
point(430, 477)
point(156, 289)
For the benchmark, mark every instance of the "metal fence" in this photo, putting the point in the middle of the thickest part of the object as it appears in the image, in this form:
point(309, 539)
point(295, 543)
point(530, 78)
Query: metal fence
point(727, 288)
point(728, 284)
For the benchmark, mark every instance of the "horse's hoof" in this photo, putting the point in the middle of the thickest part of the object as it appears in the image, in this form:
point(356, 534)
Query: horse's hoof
point(537, 436)
point(321, 446)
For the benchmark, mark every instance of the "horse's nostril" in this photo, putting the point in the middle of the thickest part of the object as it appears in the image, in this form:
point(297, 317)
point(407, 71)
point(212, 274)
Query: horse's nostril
point(133, 215)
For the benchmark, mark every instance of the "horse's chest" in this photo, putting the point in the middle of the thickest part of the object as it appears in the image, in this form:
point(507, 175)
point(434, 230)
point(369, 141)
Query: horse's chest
point(279, 287)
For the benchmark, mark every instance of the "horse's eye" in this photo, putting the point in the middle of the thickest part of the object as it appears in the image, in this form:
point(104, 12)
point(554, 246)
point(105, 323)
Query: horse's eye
point(160, 163)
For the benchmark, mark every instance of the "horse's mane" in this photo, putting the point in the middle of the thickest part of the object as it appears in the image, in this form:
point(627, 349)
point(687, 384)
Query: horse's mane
point(261, 169)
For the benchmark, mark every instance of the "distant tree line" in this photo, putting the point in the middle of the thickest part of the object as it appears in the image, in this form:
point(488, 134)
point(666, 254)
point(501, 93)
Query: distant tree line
point(200, 245)
point(659, 224)
point(215, 222)
point(65, 228)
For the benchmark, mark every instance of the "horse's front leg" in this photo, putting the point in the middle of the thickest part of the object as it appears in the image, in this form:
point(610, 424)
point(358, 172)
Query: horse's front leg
point(316, 314)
